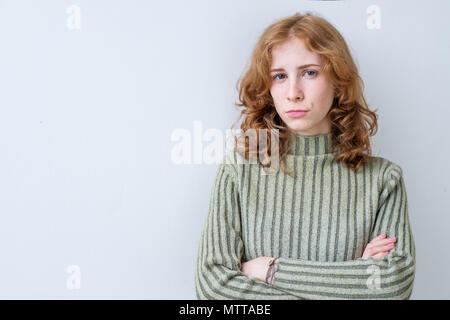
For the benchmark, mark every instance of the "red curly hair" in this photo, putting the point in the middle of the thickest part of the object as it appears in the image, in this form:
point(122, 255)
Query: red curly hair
point(352, 122)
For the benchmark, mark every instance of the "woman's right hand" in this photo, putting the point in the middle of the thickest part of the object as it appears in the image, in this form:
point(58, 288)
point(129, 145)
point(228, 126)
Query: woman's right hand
point(379, 247)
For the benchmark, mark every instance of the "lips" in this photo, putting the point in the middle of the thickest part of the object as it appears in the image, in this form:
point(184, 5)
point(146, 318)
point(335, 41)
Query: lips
point(298, 110)
point(296, 113)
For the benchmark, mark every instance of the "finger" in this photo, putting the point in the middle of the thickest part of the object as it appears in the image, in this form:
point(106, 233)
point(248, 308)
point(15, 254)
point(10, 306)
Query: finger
point(382, 242)
point(380, 255)
point(381, 236)
point(383, 248)
point(378, 242)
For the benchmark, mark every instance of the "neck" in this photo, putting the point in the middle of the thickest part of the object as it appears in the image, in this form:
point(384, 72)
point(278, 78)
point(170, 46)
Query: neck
point(310, 145)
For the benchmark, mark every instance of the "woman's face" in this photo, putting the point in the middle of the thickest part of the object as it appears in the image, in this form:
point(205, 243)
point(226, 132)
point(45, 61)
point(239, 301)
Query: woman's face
point(297, 83)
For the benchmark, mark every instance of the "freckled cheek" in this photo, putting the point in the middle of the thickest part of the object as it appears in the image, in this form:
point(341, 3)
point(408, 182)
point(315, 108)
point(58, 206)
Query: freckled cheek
point(277, 94)
point(319, 95)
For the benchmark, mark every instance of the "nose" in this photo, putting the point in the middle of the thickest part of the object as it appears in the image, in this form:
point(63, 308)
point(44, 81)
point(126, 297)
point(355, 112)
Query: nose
point(295, 92)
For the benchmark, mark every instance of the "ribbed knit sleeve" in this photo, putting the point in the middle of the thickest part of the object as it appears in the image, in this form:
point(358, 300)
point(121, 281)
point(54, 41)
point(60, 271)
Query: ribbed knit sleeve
point(220, 250)
point(389, 278)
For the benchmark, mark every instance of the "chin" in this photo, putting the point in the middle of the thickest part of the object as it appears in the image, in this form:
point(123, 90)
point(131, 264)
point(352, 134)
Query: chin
point(296, 126)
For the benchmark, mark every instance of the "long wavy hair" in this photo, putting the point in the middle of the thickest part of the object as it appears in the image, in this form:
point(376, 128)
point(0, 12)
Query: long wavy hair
point(352, 122)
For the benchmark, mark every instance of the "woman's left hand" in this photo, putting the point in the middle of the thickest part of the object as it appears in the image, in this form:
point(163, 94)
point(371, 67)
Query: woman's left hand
point(256, 268)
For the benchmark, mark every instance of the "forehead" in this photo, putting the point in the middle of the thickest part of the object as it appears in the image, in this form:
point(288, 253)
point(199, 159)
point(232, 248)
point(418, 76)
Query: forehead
point(293, 51)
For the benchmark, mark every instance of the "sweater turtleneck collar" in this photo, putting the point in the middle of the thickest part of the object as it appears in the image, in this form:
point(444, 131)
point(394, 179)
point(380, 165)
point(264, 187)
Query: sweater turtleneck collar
point(303, 145)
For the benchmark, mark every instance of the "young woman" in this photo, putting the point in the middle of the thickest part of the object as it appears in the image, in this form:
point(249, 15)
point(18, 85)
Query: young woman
point(333, 222)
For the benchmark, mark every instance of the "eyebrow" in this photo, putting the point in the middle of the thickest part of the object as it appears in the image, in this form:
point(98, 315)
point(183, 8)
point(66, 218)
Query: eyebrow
point(298, 68)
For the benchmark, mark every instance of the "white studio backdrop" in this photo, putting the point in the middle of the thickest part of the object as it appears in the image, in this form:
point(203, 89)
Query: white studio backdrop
point(93, 203)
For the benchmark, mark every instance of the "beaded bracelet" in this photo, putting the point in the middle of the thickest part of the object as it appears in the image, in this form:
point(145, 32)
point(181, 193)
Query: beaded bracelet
point(273, 267)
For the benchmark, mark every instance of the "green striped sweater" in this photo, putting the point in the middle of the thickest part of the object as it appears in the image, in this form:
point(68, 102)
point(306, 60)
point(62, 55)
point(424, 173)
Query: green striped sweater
point(318, 224)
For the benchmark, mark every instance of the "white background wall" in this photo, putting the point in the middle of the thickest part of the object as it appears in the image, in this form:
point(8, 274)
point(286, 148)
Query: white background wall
point(93, 206)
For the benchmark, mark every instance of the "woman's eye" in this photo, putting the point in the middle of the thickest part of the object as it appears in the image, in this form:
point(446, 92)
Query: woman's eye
point(279, 74)
point(311, 71)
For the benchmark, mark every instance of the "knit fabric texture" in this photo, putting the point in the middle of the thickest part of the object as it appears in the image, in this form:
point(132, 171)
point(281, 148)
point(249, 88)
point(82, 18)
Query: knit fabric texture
point(318, 224)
